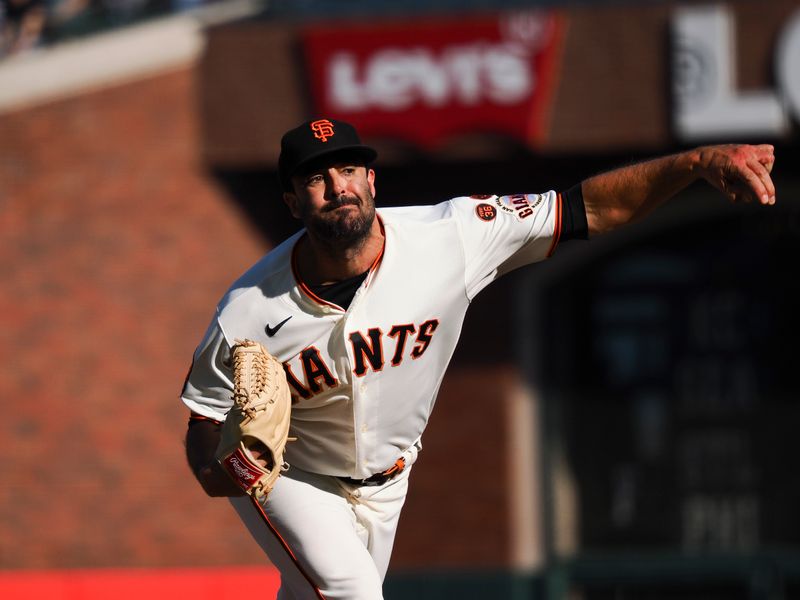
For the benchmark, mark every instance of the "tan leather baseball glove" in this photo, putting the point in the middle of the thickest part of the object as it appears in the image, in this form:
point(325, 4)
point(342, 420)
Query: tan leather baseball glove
point(256, 429)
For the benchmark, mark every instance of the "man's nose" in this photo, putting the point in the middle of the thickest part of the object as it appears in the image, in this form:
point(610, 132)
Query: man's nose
point(337, 184)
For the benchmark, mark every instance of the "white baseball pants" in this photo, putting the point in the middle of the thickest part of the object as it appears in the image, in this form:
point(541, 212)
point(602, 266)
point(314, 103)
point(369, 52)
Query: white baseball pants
point(327, 538)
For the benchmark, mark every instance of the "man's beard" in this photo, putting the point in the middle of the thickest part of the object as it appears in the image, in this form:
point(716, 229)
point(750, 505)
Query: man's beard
point(346, 228)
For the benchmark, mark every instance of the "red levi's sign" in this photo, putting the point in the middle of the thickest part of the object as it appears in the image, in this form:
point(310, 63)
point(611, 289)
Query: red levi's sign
point(427, 81)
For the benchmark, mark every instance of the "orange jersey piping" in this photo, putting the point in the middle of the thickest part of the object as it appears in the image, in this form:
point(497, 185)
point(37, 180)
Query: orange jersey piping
point(286, 547)
point(307, 291)
point(197, 417)
point(557, 228)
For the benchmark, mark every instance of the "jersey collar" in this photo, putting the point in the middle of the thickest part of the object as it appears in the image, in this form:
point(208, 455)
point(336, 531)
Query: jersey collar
point(311, 295)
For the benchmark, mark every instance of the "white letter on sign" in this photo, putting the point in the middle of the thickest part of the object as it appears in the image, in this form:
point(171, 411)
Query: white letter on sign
point(510, 78)
point(703, 82)
point(788, 63)
point(346, 93)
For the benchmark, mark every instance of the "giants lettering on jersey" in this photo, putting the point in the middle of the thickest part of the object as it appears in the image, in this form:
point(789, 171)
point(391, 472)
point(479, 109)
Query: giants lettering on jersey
point(520, 205)
point(371, 350)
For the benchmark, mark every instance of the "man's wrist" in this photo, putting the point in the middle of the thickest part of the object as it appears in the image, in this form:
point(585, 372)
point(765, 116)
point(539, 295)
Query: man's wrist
point(696, 162)
point(216, 481)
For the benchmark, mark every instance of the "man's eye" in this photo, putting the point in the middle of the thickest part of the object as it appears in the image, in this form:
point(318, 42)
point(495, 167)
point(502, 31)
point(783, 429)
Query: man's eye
point(314, 180)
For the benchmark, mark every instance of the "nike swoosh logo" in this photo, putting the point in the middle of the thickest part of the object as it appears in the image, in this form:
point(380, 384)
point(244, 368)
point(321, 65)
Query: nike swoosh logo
point(273, 330)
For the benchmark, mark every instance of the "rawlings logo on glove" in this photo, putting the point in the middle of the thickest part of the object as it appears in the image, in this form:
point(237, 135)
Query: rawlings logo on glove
point(256, 429)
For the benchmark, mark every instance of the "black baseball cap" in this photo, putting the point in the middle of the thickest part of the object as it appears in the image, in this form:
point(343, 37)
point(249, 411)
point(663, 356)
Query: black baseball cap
point(315, 139)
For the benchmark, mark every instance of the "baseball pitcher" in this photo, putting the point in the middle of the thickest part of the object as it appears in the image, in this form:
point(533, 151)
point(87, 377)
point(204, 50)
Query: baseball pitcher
point(310, 391)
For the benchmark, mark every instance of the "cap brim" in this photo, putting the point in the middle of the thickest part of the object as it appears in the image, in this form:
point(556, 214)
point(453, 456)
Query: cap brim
point(367, 153)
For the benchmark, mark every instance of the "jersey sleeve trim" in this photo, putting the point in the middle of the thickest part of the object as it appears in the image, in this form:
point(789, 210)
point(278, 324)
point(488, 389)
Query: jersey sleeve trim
point(556, 226)
point(193, 416)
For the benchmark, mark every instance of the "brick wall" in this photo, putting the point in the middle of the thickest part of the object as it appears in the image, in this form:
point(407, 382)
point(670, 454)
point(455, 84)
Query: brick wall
point(115, 246)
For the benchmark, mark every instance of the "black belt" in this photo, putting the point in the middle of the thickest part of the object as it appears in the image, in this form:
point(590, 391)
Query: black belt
point(379, 478)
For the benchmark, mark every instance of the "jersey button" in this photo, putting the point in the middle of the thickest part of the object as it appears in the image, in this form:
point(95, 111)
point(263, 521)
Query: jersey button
point(364, 428)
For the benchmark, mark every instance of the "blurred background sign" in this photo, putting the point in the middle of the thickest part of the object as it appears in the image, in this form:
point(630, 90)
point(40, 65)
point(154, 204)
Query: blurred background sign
point(426, 82)
point(708, 102)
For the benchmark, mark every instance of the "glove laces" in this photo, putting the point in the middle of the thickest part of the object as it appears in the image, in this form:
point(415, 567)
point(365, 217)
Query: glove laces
point(252, 375)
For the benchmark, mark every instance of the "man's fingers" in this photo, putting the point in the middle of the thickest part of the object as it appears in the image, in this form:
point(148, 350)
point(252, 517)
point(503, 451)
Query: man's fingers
point(741, 171)
point(760, 170)
point(261, 454)
point(746, 173)
point(746, 184)
point(765, 153)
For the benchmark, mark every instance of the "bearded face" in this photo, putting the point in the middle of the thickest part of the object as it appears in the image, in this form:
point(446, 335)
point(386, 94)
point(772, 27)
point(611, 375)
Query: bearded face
point(336, 203)
point(344, 220)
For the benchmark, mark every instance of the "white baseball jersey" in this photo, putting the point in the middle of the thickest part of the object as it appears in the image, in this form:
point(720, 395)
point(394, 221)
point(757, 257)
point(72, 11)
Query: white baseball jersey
point(364, 380)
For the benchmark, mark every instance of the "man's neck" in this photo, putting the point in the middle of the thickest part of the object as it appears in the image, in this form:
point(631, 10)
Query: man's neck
point(320, 261)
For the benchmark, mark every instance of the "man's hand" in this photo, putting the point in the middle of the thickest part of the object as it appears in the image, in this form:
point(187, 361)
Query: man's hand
point(202, 439)
point(216, 482)
point(741, 172)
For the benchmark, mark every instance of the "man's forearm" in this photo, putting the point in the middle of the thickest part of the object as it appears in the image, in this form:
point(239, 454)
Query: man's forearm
point(629, 193)
point(740, 172)
point(202, 439)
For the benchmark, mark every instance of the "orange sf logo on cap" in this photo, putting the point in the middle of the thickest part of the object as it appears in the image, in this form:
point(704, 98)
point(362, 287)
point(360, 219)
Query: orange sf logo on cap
point(323, 129)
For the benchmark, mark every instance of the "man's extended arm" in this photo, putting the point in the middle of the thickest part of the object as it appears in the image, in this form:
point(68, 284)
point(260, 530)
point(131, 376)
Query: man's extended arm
point(740, 172)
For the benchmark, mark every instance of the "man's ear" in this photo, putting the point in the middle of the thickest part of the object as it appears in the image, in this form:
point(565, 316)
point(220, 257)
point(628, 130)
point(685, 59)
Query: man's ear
point(371, 180)
point(291, 201)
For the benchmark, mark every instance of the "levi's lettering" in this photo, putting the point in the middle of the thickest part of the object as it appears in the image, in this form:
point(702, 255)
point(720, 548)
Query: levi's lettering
point(372, 350)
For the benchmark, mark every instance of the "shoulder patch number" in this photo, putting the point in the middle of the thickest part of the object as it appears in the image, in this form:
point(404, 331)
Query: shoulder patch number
point(485, 212)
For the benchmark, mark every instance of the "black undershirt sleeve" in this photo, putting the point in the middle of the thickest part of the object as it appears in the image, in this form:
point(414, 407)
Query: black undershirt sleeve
point(573, 215)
